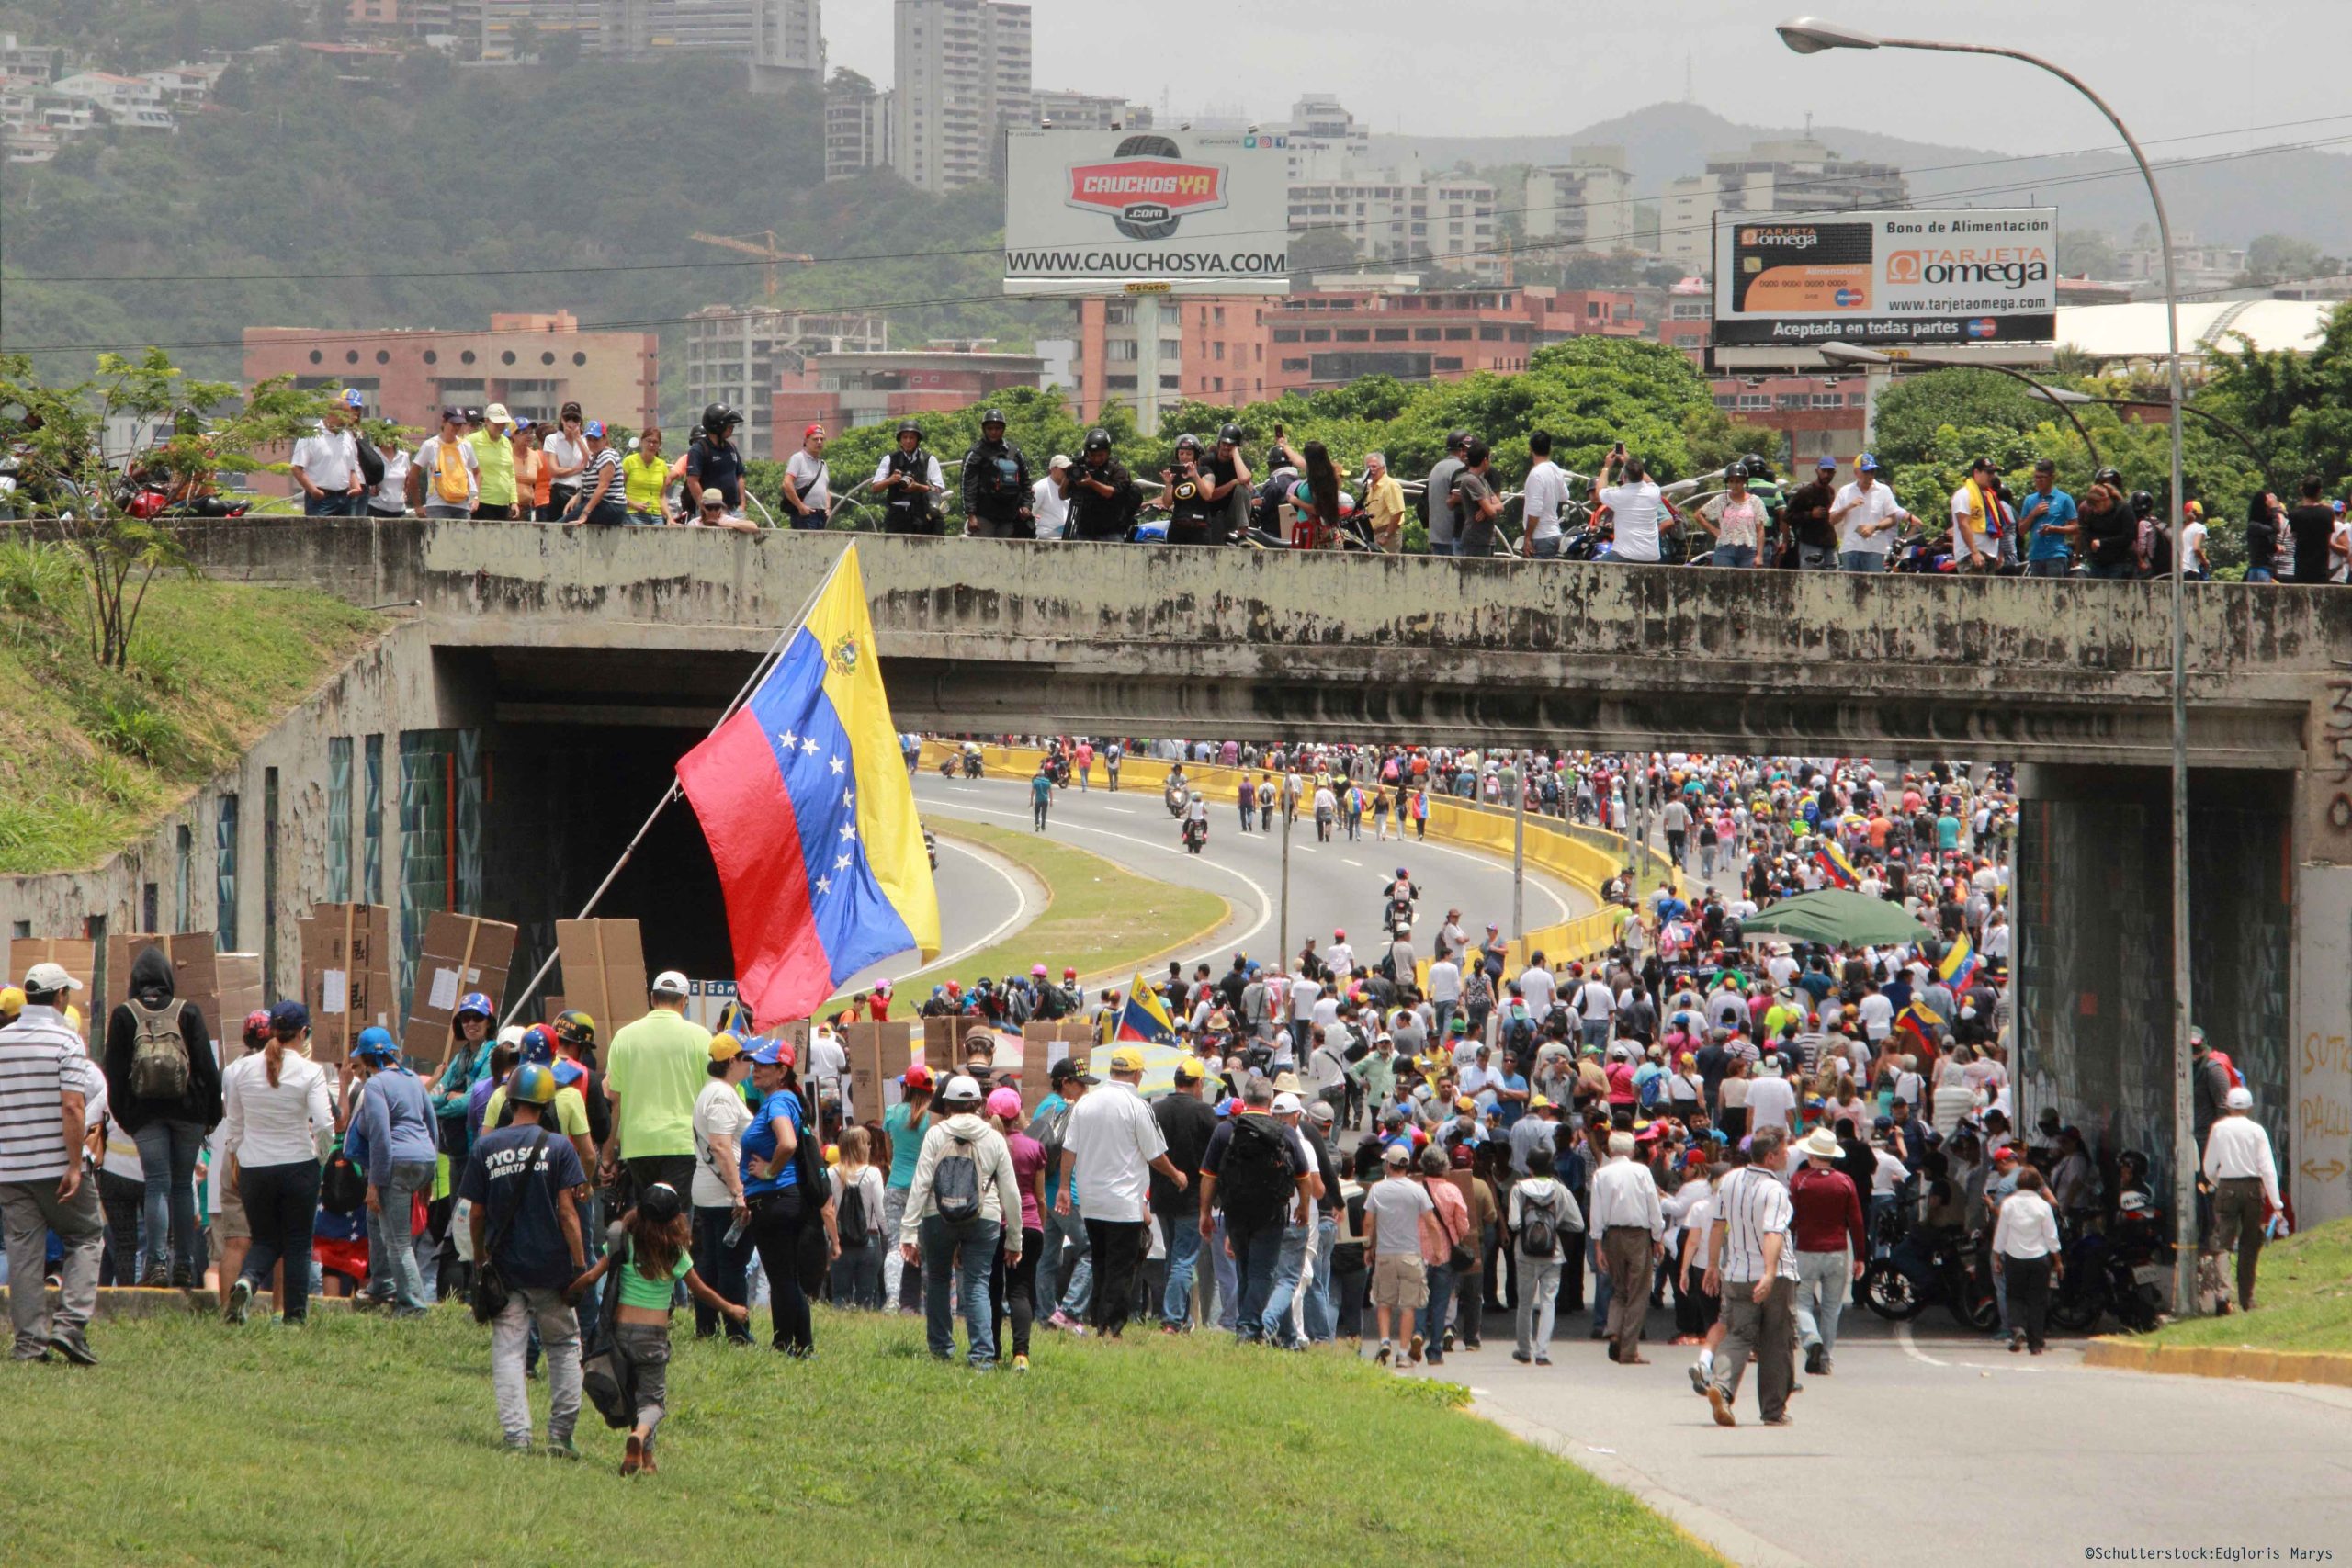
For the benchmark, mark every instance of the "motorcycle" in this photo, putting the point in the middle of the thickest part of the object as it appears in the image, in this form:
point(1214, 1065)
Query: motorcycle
point(1177, 796)
point(1928, 1267)
point(1197, 833)
point(2124, 1272)
point(971, 764)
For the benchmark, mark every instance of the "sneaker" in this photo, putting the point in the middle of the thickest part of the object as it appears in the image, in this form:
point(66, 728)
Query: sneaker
point(240, 1295)
point(1827, 1366)
point(68, 1343)
point(1521, 1357)
point(1542, 1360)
point(1413, 1351)
point(2017, 1341)
point(1449, 1340)
point(1019, 1363)
point(1434, 1359)
point(1813, 1360)
point(633, 1457)
point(519, 1445)
point(157, 1277)
point(1380, 1356)
point(1721, 1407)
point(1699, 1383)
point(561, 1447)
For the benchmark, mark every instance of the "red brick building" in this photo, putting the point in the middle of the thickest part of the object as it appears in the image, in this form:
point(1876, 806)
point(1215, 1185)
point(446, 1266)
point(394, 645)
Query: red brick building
point(839, 390)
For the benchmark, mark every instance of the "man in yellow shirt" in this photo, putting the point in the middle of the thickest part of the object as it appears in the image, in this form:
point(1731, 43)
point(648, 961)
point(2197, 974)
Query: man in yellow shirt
point(495, 456)
point(1384, 505)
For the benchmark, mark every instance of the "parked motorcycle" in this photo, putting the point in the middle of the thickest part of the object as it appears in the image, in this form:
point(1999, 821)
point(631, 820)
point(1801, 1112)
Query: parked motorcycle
point(1928, 1267)
point(971, 764)
point(2124, 1271)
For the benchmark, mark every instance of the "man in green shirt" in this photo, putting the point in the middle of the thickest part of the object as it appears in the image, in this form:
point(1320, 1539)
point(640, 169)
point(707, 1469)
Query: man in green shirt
point(657, 1068)
point(495, 456)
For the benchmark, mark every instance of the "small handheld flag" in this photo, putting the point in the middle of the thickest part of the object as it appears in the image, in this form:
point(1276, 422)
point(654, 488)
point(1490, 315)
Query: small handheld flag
point(1143, 1017)
point(1835, 867)
point(1960, 964)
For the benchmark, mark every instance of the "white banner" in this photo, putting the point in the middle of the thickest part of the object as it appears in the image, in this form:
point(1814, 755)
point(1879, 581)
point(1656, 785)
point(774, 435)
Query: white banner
point(1097, 209)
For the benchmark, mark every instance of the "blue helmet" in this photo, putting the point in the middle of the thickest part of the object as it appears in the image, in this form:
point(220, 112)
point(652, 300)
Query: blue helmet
point(539, 1046)
point(476, 1002)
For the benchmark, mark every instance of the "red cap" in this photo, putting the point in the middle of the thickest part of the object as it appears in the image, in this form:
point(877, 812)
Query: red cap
point(812, 430)
point(919, 1077)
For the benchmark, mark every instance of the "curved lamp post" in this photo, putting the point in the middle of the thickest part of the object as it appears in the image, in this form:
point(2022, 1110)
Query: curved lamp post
point(2066, 402)
point(1811, 35)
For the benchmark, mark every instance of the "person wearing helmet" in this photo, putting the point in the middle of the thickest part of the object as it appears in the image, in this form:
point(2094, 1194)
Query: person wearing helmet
point(1225, 481)
point(516, 1184)
point(2110, 535)
point(908, 481)
point(714, 461)
point(468, 1063)
point(1185, 491)
point(997, 485)
point(1102, 494)
point(1736, 519)
point(395, 1130)
point(962, 1204)
point(1339, 958)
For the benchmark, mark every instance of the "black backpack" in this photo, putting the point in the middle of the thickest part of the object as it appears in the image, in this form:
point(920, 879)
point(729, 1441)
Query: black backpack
point(849, 1218)
point(371, 462)
point(1255, 1181)
point(955, 1181)
point(1539, 1228)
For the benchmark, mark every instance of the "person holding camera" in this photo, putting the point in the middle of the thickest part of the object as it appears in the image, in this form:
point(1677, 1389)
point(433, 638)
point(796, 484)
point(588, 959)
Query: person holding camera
point(1185, 493)
point(1625, 488)
point(908, 479)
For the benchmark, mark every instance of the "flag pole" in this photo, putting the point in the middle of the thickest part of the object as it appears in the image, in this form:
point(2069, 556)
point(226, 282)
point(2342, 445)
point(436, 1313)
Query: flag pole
point(759, 673)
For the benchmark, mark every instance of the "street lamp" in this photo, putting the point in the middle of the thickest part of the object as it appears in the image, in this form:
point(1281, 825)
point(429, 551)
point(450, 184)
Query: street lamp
point(2067, 402)
point(1811, 35)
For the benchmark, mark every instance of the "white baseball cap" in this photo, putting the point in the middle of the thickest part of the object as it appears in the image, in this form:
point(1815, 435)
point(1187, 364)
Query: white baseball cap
point(46, 977)
point(670, 983)
point(2239, 1098)
point(963, 1086)
point(1287, 1105)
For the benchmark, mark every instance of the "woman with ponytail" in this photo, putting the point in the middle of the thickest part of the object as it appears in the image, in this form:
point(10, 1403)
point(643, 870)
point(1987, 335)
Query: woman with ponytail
point(278, 1107)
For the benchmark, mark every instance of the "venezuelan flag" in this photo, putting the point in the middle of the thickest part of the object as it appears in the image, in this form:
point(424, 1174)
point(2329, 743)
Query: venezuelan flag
point(1918, 1024)
point(1834, 866)
point(1144, 1017)
point(1960, 964)
point(810, 816)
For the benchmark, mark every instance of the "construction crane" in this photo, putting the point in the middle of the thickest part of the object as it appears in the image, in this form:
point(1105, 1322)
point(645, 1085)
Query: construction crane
point(751, 246)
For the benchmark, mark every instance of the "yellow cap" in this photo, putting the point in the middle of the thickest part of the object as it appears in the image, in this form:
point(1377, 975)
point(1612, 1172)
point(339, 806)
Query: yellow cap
point(1126, 1059)
point(725, 1047)
point(1190, 1067)
point(1539, 1103)
point(12, 1000)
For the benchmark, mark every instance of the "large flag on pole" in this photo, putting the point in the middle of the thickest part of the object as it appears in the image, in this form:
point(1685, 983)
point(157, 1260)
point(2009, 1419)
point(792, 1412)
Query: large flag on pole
point(1143, 1017)
point(1836, 869)
point(805, 800)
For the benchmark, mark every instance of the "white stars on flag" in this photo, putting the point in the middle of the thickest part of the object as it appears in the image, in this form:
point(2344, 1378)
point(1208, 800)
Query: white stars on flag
point(837, 765)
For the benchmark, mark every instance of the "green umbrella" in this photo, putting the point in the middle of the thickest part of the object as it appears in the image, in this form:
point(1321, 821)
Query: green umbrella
point(1834, 915)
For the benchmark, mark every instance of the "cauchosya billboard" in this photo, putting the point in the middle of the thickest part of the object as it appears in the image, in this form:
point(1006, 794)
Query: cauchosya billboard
point(1088, 209)
point(1962, 276)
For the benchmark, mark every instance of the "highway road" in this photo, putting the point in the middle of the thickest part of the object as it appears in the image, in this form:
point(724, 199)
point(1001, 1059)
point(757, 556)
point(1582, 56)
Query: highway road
point(984, 899)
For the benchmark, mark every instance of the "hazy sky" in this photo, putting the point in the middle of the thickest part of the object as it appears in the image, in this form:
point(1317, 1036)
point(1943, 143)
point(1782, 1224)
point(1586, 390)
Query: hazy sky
point(2172, 68)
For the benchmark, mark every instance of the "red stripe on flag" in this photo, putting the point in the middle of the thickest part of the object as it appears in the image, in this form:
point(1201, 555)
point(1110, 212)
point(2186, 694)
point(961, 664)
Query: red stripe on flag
point(731, 779)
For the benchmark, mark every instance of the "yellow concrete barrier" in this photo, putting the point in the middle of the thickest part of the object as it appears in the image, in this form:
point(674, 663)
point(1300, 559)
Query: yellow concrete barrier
point(2247, 1361)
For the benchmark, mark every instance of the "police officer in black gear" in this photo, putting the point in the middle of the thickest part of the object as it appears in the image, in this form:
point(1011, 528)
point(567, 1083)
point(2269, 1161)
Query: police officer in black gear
point(997, 485)
point(1102, 499)
point(909, 483)
point(714, 461)
point(1185, 491)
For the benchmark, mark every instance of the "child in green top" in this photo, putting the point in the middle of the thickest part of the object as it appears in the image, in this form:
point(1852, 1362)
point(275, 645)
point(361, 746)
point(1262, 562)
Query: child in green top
point(654, 1258)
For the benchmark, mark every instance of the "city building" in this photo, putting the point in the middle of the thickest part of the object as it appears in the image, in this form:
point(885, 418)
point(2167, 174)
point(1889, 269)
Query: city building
point(781, 42)
point(1326, 141)
point(735, 354)
point(1585, 204)
point(859, 124)
point(131, 101)
point(840, 390)
point(185, 86)
point(1068, 110)
point(1799, 176)
point(1811, 415)
point(1407, 217)
point(534, 364)
point(1689, 318)
point(2198, 267)
point(38, 64)
point(962, 75)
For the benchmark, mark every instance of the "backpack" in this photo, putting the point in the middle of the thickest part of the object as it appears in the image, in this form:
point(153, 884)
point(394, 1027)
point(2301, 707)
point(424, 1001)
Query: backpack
point(159, 1066)
point(451, 484)
point(371, 462)
point(343, 1186)
point(1539, 1228)
point(1652, 1091)
point(1001, 474)
point(849, 1216)
point(1255, 1181)
point(956, 1182)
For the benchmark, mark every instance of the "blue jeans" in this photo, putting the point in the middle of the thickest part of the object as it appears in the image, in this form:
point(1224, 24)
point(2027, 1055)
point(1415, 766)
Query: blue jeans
point(1431, 1326)
point(1816, 558)
point(1077, 1290)
point(1861, 560)
point(2111, 571)
point(646, 519)
point(334, 503)
point(2056, 566)
point(392, 1273)
point(1322, 1310)
point(1228, 1280)
point(1290, 1267)
point(2260, 574)
point(1257, 1256)
point(1544, 549)
point(1183, 1258)
point(167, 1151)
point(1824, 1280)
point(1734, 554)
point(967, 1249)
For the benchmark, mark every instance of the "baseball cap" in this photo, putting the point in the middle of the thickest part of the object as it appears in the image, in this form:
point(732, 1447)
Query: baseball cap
point(919, 1077)
point(1320, 1111)
point(376, 1045)
point(289, 1017)
point(961, 1088)
point(452, 414)
point(1866, 464)
point(1004, 1102)
point(1126, 1059)
point(1825, 462)
point(777, 1054)
point(712, 499)
point(2239, 1098)
point(660, 1203)
point(496, 414)
point(1060, 460)
point(594, 428)
point(725, 1047)
point(1068, 1071)
point(49, 977)
point(350, 397)
point(1398, 1154)
point(670, 983)
point(812, 430)
point(1287, 1105)
point(1190, 1067)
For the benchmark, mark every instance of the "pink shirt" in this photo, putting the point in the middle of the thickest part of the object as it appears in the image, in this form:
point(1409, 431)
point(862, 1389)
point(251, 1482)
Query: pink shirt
point(1028, 1159)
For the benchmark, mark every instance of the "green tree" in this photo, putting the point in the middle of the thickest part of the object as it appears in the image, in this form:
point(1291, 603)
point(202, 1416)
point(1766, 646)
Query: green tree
point(2299, 404)
point(2271, 258)
point(68, 473)
point(2087, 253)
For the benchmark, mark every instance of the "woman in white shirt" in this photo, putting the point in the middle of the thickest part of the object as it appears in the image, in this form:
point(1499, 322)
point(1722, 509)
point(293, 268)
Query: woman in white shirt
point(720, 1117)
point(2026, 1256)
point(275, 1106)
point(1737, 520)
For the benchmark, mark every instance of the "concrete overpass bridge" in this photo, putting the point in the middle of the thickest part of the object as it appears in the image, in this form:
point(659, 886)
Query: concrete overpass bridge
point(636, 633)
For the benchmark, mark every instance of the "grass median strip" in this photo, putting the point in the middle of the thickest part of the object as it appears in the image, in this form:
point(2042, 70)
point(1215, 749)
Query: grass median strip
point(1154, 1451)
point(2303, 1296)
point(1100, 917)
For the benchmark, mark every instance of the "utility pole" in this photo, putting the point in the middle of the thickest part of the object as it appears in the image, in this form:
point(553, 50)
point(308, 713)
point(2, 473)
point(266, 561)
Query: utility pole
point(1518, 855)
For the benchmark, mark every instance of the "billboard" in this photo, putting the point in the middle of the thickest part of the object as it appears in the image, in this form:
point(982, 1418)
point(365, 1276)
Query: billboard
point(1961, 279)
point(1094, 210)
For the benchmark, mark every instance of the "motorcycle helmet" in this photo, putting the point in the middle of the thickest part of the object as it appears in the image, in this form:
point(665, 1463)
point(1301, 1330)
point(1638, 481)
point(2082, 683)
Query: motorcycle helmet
point(1736, 471)
point(2113, 477)
point(716, 417)
point(1230, 433)
point(475, 1002)
point(992, 416)
point(909, 427)
point(1755, 467)
point(2142, 503)
point(575, 1028)
point(2135, 1203)
point(1097, 441)
point(1196, 797)
point(1188, 441)
point(1339, 934)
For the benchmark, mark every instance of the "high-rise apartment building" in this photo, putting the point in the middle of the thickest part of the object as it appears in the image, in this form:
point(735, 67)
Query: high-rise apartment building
point(1585, 204)
point(860, 125)
point(735, 356)
point(1801, 176)
point(1068, 110)
point(1405, 217)
point(962, 77)
point(781, 40)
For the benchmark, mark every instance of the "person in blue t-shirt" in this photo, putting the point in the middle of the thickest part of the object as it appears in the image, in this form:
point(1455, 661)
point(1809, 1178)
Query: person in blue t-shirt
point(1041, 796)
point(2049, 520)
point(519, 1181)
point(780, 1209)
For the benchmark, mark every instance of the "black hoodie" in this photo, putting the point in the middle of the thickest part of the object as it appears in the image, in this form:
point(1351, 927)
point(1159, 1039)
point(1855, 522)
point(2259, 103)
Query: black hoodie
point(153, 983)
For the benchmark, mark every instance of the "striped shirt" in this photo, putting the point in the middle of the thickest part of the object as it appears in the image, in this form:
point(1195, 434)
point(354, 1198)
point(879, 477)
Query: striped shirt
point(40, 1061)
point(1750, 1205)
